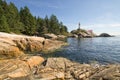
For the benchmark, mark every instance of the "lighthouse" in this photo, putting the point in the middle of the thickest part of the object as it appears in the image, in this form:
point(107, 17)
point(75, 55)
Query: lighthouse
point(79, 26)
point(78, 31)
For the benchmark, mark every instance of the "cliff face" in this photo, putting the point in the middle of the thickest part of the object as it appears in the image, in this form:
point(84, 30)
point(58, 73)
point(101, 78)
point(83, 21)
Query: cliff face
point(12, 45)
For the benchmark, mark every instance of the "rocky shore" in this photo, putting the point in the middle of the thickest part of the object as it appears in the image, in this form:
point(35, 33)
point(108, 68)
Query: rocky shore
point(16, 65)
point(37, 68)
point(12, 45)
point(64, 69)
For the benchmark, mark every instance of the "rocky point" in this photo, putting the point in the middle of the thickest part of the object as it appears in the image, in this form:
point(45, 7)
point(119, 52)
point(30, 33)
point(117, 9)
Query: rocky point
point(12, 45)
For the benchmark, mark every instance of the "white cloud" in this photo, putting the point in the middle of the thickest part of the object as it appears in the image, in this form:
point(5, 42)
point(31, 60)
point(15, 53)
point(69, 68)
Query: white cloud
point(102, 25)
point(104, 28)
point(94, 26)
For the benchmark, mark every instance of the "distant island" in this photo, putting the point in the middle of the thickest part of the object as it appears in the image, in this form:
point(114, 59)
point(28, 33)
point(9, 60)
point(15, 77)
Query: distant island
point(105, 35)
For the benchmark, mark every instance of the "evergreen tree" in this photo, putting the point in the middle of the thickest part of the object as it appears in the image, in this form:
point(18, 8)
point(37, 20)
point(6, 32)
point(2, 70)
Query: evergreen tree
point(14, 19)
point(28, 20)
point(41, 28)
point(47, 24)
point(4, 6)
point(3, 24)
point(54, 25)
point(0, 2)
point(1, 11)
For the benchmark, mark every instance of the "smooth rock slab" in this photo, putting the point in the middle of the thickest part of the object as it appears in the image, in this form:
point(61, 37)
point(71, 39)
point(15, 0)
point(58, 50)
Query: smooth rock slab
point(19, 69)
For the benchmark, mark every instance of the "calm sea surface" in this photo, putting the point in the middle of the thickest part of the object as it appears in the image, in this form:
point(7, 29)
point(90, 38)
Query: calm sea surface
point(100, 49)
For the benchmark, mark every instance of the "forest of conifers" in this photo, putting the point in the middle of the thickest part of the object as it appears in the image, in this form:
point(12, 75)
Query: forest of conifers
point(23, 22)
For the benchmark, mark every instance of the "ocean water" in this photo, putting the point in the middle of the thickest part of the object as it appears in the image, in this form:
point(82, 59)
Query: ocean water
point(104, 50)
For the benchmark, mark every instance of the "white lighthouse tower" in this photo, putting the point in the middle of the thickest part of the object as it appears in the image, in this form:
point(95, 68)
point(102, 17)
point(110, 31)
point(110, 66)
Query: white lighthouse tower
point(79, 26)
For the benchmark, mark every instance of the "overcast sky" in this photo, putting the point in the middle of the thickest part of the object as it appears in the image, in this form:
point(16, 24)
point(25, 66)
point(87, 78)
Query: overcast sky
point(97, 15)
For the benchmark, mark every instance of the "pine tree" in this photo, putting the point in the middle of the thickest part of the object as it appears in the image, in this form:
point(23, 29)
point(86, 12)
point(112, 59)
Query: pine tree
point(0, 2)
point(3, 24)
point(54, 25)
point(14, 19)
point(47, 24)
point(1, 11)
point(4, 6)
point(28, 20)
point(41, 28)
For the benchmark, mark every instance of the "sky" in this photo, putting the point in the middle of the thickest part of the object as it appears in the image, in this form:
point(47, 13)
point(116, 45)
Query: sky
point(101, 16)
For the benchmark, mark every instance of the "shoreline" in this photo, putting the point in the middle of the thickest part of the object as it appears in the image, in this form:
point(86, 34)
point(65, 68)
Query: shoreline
point(36, 67)
point(13, 45)
point(22, 66)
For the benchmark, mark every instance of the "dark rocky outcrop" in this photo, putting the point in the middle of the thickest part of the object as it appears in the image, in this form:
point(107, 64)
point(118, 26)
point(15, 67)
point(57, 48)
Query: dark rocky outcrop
point(82, 33)
point(104, 35)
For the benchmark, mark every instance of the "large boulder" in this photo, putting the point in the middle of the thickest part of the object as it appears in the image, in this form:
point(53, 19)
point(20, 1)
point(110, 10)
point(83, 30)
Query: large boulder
point(61, 36)
point(34, 61)
point(51, 45)
point(31, 44)
point(58, 63)
point(50, 36)
point(53, 68)
point(8, 48)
